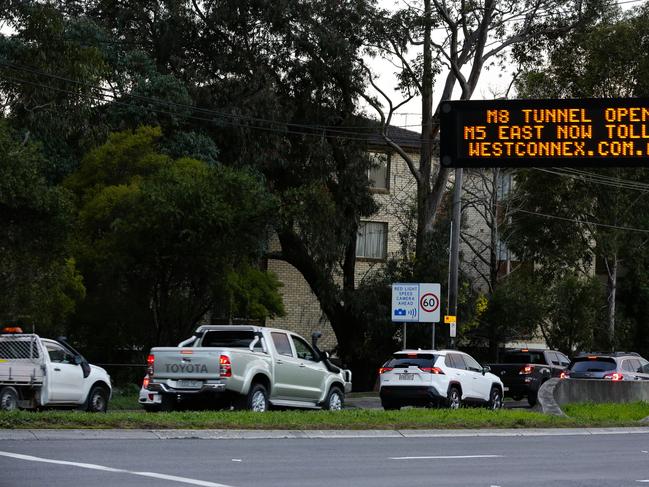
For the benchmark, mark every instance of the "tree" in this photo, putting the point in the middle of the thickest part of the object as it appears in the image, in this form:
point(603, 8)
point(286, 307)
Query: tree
point(463, 39)
point(514, 311)
point(40, 282)
point(271, 86)
point(163, 240)
point(573, 314)
point(61, 112)
point(590, 208)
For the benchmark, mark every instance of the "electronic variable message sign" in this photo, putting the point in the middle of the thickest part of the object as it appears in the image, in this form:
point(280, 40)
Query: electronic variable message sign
point(527, 133)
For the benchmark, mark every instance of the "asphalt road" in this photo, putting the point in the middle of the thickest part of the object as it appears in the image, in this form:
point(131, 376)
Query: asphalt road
point(543, 461)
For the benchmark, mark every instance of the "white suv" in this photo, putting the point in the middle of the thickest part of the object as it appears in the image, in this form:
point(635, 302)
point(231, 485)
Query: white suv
point(437, 377)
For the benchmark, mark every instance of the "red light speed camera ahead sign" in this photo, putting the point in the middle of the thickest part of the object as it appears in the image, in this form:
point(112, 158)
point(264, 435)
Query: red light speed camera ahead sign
point(526, 133)
point(412, 302)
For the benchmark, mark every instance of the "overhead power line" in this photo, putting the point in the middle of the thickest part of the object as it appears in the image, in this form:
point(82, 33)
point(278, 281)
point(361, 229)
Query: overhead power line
point(595, 178)
point(584, 222)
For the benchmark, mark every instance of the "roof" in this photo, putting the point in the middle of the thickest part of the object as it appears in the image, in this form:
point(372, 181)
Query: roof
point(400, 136)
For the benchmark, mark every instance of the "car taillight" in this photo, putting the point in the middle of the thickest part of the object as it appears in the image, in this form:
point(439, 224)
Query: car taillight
point(527, 369)
point(383, 370)
point(145, 382)
point(225, 366)
point(432, 370)
point(614, 376)
point(564, 374)
point(149, 363)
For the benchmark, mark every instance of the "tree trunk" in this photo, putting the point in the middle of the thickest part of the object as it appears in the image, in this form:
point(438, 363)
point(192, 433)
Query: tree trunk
point(424, 196)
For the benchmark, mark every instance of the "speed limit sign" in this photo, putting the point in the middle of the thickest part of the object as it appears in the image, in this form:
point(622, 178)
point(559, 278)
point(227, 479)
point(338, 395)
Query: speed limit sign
point(429, 303)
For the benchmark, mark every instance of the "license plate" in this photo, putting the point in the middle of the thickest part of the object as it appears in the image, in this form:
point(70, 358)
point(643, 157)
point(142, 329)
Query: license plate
point(190, 384)
point(506, 389)
point(406, 376)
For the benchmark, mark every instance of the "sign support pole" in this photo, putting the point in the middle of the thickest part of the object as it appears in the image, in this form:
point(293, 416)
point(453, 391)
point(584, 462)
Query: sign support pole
point(404, 336)
point(455, 247)
point(433, 326)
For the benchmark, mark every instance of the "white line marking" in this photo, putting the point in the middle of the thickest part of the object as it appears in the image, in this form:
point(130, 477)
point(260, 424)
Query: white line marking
point(644, 481)
point(444, 457)
point(92, 466)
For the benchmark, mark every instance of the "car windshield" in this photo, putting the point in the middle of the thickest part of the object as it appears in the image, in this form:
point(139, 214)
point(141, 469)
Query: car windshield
point(593, 365)
point(524, 358)
point(419, 360)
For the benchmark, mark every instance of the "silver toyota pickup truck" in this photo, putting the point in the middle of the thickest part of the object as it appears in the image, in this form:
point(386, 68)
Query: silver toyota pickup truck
point(245, 367)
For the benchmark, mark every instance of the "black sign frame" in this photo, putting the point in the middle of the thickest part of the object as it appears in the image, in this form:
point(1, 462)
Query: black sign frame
point(576, 116)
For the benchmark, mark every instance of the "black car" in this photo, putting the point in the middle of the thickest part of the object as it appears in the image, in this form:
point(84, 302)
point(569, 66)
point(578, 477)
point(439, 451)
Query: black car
point(523, 370)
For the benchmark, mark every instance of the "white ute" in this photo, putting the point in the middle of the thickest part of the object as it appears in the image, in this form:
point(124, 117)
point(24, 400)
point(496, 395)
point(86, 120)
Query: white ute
point(37, 372)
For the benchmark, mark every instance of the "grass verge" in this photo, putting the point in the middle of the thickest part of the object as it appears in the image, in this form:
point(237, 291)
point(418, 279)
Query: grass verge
point(581, 415)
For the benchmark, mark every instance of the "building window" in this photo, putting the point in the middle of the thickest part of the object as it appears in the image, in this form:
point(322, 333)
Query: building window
point(379, 172)
point(372, 241)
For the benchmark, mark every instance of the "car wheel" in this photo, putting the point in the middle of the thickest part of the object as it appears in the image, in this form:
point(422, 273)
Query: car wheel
point(151, 408)
point(495, 399)
point(256, 400)
point(335, 399)
point(532, 399)
point(8, 399)
point(390, 405)
point(97, 401)
point(517, 397)
point(454, 400)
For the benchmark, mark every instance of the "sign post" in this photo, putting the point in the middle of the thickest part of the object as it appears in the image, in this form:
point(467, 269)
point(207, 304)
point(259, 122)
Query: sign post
point(451, 321)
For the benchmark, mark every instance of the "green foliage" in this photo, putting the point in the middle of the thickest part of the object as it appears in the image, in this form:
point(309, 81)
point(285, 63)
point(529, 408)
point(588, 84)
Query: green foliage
point(160, 239)
point(59, 113)
point(231, 83)
point(601, 60)
point(253, 293)
point(606, 58)
point(573, 314)
point(513, 312)
point(40, 283)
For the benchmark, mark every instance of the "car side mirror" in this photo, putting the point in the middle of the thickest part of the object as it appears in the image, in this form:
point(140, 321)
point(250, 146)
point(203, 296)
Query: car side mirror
point(78, 360)
point(486, 369)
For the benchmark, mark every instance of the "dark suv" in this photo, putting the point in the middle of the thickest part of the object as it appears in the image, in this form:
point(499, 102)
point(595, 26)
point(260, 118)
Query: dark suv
point(524, 370)
point(612, 366)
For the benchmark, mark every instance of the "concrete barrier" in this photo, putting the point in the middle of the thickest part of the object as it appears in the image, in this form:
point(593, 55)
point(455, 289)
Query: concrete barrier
point(557, 392)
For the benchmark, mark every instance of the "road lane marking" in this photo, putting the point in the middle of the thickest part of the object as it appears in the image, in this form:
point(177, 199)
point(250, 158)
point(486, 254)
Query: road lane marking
point(445, 457)
point(103, 468)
